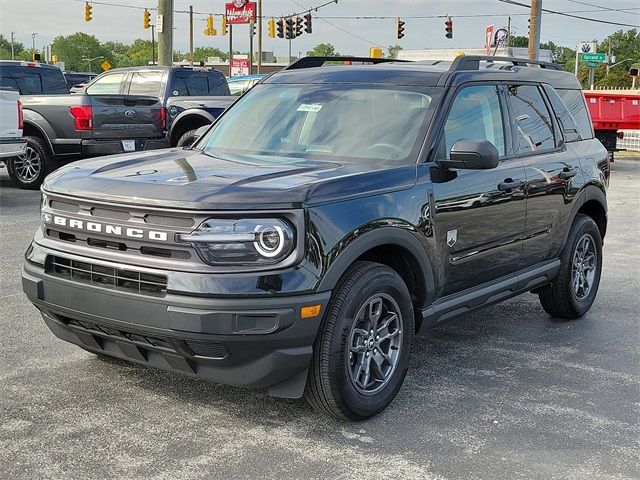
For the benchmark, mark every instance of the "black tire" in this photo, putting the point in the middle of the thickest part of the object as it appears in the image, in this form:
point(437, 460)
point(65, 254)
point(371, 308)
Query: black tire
point(331, 385)
point(187, 138)
point(568, 297)
point(29, 170)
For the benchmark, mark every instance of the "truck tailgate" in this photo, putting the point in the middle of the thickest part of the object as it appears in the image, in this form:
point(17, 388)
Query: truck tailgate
point(127, 116)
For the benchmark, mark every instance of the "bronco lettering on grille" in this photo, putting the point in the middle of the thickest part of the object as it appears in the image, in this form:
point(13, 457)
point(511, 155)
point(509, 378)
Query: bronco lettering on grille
point(104, 228)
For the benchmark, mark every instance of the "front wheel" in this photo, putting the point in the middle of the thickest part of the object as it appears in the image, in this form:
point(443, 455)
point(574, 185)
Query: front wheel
point(574, 289)
point(28, 170)
point(361, 354)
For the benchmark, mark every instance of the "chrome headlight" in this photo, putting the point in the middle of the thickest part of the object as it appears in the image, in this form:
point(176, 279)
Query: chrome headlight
point(247, 241)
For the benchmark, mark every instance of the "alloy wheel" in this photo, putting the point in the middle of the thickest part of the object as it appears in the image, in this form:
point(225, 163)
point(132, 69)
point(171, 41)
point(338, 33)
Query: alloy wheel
point(375, 342)
point(27, 167)
point(584, 264)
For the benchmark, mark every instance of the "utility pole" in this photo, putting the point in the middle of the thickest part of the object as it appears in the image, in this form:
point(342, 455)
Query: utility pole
point(165, 35)
point(259, 36)
point(12, 54)
point(534, 31)
point(609, 58)
point(191, 35)
point(153, 45)
point(230, 45)
point(251, 27)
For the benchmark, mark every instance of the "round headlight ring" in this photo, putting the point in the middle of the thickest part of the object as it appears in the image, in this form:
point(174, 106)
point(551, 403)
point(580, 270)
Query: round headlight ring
point(264, 243)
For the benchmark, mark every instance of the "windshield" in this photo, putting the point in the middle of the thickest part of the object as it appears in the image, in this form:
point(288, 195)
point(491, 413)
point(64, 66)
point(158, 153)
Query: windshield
point(345, 122)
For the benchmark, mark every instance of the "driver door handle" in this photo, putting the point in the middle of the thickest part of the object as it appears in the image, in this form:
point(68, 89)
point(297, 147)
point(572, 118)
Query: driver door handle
point(509, 184)
point(567, 173)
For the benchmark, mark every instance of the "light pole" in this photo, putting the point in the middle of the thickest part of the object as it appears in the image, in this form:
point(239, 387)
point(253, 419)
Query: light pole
point(89, 60)
point(609, 67)
point(12, 54)
point(33, 42)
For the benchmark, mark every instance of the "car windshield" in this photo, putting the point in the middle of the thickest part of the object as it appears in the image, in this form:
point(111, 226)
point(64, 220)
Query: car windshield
point(343, 122)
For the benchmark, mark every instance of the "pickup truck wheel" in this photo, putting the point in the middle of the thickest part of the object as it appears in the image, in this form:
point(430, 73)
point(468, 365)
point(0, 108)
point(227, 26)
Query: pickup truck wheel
point(361, 353)
point(574, 289)
point(28, 170)
point(187, 138)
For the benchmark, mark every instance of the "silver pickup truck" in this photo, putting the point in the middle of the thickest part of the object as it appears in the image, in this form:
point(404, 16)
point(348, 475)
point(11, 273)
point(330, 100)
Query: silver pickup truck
point(11, 142)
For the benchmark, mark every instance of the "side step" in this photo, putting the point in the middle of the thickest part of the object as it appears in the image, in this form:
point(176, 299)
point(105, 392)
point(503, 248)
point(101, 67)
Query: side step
point(490, 293)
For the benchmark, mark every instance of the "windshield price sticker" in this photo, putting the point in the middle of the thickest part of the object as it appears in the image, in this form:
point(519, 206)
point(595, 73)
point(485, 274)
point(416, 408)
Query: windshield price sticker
point(309, 107)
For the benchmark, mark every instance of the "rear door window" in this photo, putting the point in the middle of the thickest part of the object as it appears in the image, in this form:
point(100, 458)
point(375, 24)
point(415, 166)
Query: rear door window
point(107, 85)
point(145, 83)
point(574, 100)
point(532, 122)
point(567, 122)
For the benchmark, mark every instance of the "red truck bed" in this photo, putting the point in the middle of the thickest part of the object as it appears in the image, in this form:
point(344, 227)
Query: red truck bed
point(614, 109)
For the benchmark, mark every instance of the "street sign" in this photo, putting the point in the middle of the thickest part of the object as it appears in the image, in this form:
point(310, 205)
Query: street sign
point(105, 65)
point(239, 66)
point(240, 11)
point(593, 64)
point(159, 23)
point(594, 57)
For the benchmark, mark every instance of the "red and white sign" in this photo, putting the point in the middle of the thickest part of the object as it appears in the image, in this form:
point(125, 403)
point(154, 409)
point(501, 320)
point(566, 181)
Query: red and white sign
point(239, 66)
point(488, 38)
point(240, 11)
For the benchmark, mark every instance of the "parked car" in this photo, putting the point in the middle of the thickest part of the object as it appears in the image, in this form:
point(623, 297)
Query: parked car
point(32, 78)
point(241, 83)
point(11, 142)
point(77, 80)
point(299, 245)
point(119, 111)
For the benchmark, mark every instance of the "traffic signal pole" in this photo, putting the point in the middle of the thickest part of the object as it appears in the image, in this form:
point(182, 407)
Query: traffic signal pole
point(165, 37)
point(259, 36)
point(534, 31)
point(191, 35)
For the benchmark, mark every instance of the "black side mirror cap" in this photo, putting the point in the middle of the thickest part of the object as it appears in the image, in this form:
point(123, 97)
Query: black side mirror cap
point(472, 154)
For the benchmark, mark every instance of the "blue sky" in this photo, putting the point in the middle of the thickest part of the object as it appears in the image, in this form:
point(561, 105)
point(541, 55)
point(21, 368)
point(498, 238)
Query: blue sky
point(55, 17)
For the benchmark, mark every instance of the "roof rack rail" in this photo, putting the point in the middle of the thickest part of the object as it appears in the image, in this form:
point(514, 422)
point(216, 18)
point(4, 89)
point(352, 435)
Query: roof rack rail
point(472, 62)
point(312, 62)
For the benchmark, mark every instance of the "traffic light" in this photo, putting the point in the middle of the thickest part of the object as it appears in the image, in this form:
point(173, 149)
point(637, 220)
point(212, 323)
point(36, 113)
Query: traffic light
point(307, 23)
point(87, 11)
point(272, 28)
point(528, 27)
point(280, 27)
point(448, 27)
point(210, 31)
point(252, 26)
point(298, 27)
point(223, 26)
point(36, 57)
point(399, 29)
point(146, 19)
point(289, 29)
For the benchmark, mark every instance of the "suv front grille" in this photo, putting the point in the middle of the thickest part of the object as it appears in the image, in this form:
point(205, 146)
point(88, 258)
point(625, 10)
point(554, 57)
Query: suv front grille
point(110, 277)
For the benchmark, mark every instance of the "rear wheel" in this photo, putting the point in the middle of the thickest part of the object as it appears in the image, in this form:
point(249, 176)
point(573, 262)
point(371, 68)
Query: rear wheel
point(574, 289)
point(361, 354)
point(28, 170)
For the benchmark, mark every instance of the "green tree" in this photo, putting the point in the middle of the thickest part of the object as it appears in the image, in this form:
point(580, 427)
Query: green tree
point(5, 48)
point(202, 53)
point(392, 51)
point(72, 49)
point(118, 55)
point(323, 50)
point(140, 52)
point(519, 41)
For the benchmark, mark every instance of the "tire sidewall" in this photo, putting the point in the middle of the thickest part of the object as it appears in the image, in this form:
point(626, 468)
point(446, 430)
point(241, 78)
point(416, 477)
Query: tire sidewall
point(381, 280)
point(189, 134)
point(583, 225)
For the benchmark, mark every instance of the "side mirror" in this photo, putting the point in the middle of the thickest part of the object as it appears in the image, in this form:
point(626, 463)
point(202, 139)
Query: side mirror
point(472, 155)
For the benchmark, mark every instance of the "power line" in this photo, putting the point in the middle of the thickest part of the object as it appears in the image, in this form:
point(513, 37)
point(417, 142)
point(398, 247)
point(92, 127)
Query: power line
point(512, 2)
point(623, 10)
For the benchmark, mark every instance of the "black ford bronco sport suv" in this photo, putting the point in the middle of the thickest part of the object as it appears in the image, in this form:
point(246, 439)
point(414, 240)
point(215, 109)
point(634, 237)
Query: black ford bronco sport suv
point(323, 220)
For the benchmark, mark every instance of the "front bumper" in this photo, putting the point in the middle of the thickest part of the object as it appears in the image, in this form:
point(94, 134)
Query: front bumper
point(254, 342)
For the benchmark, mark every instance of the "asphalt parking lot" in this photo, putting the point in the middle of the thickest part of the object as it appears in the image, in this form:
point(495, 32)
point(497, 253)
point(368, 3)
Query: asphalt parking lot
point(501, 393)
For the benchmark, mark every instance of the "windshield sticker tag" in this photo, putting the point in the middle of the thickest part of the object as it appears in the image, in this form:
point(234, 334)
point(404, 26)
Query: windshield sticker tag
point(309, 107)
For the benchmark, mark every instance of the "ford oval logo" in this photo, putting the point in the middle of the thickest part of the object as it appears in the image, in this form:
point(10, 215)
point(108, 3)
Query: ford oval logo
point(130, 113)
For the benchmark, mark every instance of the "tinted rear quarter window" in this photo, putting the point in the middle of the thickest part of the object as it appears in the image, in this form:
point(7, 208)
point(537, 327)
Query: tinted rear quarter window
point(199, 84)
point(574, 100)
point(566, 120)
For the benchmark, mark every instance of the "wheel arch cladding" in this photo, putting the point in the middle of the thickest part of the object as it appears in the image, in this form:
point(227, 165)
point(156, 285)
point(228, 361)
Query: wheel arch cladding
point(594, 209)
point(395, 248)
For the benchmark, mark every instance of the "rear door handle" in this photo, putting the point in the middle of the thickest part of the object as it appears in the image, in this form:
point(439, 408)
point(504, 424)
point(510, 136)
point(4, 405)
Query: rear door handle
point(567, 173)
point(509, 184)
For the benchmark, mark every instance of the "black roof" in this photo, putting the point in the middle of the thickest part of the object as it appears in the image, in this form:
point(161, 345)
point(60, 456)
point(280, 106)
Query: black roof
point(424, 73)
point(18, 63)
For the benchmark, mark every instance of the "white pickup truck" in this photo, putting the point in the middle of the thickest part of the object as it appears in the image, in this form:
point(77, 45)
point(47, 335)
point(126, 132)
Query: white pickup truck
point(11, 142)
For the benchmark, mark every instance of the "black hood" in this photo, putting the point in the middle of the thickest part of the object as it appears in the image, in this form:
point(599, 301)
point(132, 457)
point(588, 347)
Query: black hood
point(181, 178)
